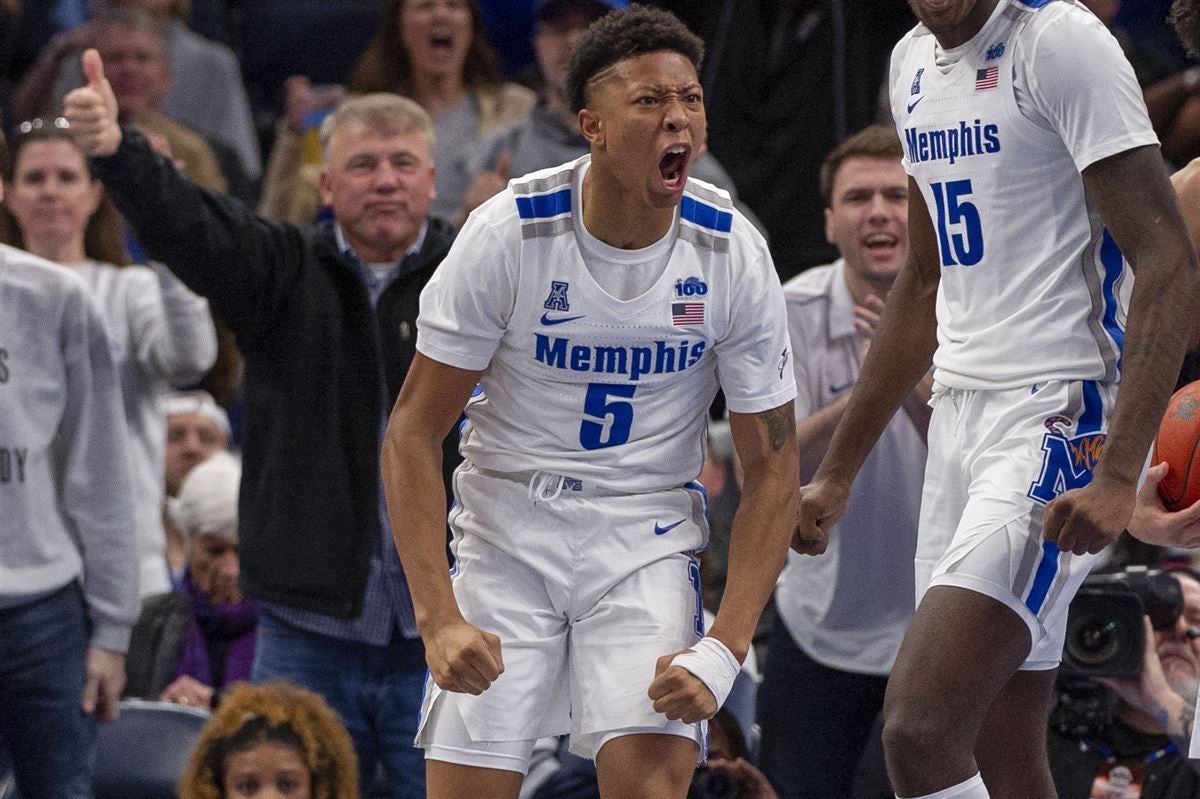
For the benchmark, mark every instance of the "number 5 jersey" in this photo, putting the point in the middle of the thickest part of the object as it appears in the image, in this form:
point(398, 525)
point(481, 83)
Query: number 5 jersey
point(582, 383)
point(996, 133)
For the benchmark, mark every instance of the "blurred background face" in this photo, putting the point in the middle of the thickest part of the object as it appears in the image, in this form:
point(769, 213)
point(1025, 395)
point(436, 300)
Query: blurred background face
point(379, 185)
point(437, 35)
point(135, 62)
point(52, 195)
point(1104, 10)
point(213, 561)
point(867, 217)
point(557, 38)
point(1179, 655)
point(191, 437)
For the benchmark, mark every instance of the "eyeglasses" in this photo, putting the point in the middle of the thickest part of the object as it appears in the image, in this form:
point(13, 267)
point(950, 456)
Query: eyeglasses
point(33, 125)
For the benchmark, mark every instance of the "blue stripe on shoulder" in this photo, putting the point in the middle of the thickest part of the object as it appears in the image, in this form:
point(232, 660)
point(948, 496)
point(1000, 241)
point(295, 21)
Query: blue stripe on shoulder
point(1034, 3)
point(543, 206)
point(705, 215)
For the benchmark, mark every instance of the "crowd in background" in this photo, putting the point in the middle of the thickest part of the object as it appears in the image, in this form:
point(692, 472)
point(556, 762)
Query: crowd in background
point(235, 93)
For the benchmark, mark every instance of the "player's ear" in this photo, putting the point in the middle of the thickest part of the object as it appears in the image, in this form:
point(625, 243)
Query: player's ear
point(591, 126)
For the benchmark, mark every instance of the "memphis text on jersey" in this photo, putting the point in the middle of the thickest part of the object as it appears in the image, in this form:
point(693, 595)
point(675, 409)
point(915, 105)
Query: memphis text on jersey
point(663, 358)
point(951, 144)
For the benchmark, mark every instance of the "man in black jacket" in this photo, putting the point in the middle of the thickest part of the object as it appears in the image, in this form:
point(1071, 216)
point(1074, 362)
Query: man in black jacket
point(326, 318)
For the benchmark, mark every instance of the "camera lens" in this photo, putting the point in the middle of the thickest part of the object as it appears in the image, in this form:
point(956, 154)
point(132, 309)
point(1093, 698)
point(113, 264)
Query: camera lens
point(1091, 640)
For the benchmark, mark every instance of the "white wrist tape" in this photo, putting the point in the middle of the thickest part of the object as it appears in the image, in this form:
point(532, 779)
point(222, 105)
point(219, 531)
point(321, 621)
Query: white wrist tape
point(711, 662)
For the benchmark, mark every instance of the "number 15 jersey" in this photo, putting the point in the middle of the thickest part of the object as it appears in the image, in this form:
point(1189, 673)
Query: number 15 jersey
point(584, 384)
point(1032, 286)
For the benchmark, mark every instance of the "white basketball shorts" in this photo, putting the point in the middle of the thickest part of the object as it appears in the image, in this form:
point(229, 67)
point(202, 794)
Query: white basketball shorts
point(586, 589)
point(996, 458)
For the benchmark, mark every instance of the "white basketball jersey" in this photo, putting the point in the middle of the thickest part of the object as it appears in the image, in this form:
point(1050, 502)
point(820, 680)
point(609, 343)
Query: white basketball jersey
point(583, 384)
point(1032, 286)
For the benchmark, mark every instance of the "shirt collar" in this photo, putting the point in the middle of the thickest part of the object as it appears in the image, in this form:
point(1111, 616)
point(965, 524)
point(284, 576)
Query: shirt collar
point(415, 247)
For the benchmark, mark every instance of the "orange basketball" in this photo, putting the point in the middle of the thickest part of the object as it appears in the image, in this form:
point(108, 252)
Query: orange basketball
point(1178, 443)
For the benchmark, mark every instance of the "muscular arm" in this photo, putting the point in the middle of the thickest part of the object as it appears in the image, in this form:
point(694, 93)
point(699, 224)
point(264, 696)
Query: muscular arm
point(766, 445)
point(898, 358)
point(460, 656)
point(1140, 209)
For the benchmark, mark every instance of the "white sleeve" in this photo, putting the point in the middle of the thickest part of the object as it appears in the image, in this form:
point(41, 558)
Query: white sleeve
point(1081, 82)
point(95, 491)
point(466, 305)
point(754, 358)
point(172, 327)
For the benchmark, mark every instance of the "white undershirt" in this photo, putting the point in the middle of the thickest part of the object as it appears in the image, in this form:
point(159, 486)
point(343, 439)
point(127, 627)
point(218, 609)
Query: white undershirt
point(624, 274)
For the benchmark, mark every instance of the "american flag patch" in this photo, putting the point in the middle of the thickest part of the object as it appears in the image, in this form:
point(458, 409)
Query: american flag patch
point(987, 78)
point(684, 314)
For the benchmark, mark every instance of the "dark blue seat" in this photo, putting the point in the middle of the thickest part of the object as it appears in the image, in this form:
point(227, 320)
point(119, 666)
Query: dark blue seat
point(143, 752)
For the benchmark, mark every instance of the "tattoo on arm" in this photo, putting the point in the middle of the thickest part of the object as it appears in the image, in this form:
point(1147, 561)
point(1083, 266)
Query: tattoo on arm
point(781, 423)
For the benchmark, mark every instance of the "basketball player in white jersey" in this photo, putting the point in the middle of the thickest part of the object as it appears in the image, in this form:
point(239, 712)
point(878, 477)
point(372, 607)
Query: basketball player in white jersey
point(1025, 137)
point(584, 318)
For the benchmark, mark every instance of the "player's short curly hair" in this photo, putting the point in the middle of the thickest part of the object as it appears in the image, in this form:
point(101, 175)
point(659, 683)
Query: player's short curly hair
point(1185, 16)
point(280, 713)
point(623, 34)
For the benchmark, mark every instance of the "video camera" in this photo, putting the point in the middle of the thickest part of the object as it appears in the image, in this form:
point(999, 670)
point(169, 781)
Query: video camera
point(714, 783)
point(1105, 636)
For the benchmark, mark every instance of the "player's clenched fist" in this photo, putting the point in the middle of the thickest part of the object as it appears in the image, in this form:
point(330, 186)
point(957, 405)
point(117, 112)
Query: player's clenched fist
point(678, 694)
point(463, 658)
point(91, 110)
point(1088, 519)
point(822, 503)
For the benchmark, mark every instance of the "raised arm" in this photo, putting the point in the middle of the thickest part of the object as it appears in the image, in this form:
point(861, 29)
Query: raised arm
point(213, 243)
point(461, 657)
point(1141, 212)
point(899, 357)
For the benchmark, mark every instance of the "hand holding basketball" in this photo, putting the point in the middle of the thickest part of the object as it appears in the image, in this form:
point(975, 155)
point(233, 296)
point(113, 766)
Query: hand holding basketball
point(1178, 444)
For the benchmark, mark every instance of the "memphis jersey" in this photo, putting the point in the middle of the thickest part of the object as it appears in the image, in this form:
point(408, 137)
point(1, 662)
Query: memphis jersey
point(1032, 286)
point(580, 383)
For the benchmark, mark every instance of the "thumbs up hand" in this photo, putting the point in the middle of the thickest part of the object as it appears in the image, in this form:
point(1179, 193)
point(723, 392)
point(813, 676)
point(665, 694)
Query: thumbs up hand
point(91, 110)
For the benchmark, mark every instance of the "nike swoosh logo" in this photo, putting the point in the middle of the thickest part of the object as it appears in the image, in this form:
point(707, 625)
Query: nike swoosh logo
point(660, 530)
point(547, 320)
point(913, 104)
point(840, 389)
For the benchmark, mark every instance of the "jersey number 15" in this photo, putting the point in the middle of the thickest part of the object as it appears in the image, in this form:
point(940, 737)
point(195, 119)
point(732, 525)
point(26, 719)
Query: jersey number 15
point(960, 231)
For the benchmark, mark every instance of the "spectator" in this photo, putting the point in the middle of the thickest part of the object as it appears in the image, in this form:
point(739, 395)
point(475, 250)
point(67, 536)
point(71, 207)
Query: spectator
point(206, 93)
point(132, 43)
point(273, 739)
point(190, 644)
point(327, 318)
point(197, 427)
point(68, 564)
point(1148, 737)
point(161, 333)
point(840, 617)
point(434, 52)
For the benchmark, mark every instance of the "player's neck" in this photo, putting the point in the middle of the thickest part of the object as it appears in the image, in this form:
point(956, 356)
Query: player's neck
point(970, 25)
point(619, 219)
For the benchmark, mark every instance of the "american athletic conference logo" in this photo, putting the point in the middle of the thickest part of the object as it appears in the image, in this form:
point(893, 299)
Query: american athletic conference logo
point(557, 299)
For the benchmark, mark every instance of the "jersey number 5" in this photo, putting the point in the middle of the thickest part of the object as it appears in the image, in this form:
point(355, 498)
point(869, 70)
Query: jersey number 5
point(958, 224)
point(608, 403)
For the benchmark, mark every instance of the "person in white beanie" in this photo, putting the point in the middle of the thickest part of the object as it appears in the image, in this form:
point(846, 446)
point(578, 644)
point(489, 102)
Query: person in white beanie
point(190, 644)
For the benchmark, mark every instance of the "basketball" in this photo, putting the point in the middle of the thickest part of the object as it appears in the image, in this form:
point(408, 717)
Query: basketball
point(1177, 442)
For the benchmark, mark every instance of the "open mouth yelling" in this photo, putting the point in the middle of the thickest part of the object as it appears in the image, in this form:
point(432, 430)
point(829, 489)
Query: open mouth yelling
point(673, 166)
point(881, 243)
